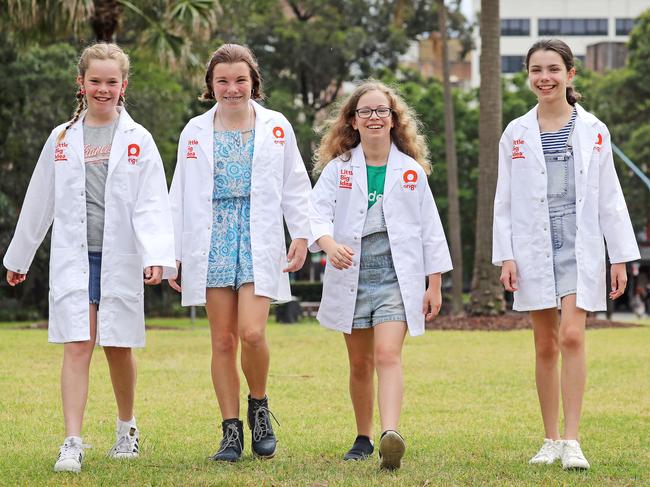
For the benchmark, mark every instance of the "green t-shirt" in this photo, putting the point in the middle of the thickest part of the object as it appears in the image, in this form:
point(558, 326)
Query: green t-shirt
point(376, 178)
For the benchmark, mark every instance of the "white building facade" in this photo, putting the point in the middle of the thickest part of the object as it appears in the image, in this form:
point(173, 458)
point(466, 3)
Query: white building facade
point(579, 23)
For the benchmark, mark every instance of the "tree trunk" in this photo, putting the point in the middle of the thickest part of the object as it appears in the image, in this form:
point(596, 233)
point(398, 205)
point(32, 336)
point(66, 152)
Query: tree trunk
point(106, 19)
point(453, 210)
point(487, 292)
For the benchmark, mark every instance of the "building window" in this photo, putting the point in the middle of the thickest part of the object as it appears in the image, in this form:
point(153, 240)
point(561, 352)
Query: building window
point(573, 27)
point(624, 26)
point(515, 27)
point(512, 64)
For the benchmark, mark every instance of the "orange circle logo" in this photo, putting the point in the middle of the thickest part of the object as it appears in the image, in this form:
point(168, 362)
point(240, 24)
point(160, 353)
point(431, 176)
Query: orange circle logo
point(278, 132)
point(410, 176)
point(134, 150)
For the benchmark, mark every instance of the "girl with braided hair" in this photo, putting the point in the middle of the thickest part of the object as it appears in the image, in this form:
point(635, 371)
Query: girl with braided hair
point(100, 181)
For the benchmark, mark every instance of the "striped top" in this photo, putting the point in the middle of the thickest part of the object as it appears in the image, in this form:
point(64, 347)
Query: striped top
point(553, 142)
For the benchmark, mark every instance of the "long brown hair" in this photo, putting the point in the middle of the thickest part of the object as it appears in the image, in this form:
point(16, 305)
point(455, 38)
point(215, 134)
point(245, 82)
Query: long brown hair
point(230, 54)
point(340, 137)
point(560, 47)
point(101, 51)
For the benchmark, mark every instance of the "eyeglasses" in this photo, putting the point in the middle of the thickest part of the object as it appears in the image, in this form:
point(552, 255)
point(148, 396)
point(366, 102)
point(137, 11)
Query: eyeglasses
point(382, 112)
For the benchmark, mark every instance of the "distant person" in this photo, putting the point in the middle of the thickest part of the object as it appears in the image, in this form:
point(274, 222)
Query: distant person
point(373, 214)
point(101, 181)
point(557, 197)
point(238, 173)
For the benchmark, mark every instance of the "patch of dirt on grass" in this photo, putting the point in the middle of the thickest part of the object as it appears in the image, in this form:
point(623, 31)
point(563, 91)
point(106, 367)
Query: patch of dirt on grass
point(508, 321)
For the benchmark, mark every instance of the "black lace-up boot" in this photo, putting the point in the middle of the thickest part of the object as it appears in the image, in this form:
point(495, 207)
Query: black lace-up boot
point(259, 421)
point(232, 443)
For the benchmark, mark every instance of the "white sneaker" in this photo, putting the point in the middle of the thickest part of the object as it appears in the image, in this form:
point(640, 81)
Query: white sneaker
point(572, 456)
point(71, 455)
point(550, 451)
point(126, 445)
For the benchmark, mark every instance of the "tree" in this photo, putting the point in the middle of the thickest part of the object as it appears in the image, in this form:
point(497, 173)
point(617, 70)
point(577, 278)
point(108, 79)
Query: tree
point(487, 293)
point(452, 170)
point(164, 27)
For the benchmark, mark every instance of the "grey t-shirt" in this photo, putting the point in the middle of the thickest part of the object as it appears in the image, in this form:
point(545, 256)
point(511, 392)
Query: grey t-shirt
point(97, 149)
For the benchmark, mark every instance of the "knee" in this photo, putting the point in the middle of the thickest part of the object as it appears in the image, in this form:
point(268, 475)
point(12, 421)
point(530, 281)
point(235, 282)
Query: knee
point(387, 357)
point(547, 351)
point(79, 351)
point(362, 367)
point(571, 339)
point(224, 344)
point(253, 338)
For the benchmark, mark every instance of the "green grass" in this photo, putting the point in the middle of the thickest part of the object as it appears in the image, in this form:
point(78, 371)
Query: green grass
point(470, 413)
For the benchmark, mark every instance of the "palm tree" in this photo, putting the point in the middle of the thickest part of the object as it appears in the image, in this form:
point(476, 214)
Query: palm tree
point(164, 27)
point(453, 211)
point(487, 293)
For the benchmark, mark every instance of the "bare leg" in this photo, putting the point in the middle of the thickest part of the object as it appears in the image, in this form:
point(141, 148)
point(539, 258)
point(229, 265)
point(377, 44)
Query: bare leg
point(74, 377)
point(360, 345)
point(545, 330)
point(122, 366)
point(253, 312)
point(389, 338)
point(221, 307)
point(574, 369)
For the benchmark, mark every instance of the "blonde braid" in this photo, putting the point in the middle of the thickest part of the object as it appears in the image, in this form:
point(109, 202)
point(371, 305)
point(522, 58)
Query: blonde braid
point(81, 105)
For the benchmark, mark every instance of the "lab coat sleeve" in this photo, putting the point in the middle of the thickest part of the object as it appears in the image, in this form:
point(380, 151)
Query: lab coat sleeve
point(435, 249)
point(295, 189)
point(176, 200)
point(37, 212)
point(502, 224)
point(322, 202)
point(152, 222)
point(613, 215)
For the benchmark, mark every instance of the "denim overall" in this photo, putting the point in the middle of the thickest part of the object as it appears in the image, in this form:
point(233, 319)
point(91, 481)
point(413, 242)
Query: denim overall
point(561, 193)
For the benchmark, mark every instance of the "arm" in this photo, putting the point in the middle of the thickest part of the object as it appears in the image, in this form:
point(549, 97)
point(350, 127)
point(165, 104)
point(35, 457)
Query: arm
point(176, 200)
point(35, 218)
point(322, 203)
point(435, 249)
point(295, 195)
point(502, 224)
point(152, 222)
point(614, 218)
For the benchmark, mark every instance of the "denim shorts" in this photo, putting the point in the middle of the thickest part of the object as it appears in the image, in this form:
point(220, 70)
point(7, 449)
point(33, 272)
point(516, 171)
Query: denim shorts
point(563, 234)
point(378, 294)
point(94, 276)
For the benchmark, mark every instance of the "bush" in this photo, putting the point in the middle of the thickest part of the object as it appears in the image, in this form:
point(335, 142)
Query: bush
point(307, 291)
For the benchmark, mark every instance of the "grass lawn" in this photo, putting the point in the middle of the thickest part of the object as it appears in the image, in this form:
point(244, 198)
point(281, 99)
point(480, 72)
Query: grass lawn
point(470, 413)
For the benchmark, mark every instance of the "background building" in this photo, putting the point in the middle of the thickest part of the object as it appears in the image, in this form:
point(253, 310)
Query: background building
point(580, 23)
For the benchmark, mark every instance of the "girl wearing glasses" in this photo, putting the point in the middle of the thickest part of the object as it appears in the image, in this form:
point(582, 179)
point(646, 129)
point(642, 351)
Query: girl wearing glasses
point(373, 214)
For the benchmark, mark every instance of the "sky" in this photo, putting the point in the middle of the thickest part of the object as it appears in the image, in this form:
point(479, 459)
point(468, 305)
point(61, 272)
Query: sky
point(466, 8)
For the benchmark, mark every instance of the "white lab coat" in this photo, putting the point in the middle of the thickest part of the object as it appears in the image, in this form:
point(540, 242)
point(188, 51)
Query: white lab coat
point(137, 232)
point(279, 187)
point(338, 207)
point(521, 218)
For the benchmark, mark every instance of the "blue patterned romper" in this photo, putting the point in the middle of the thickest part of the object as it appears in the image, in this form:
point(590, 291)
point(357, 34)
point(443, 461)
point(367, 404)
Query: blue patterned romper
point(230, 263)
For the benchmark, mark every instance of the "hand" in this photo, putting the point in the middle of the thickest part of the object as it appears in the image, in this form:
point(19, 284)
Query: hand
point(619, 280)
point(296, 255)
point(173, 282)
point(509, 275)
point(14, 278)
point(432, 297)
point(153, 275)
point(339, 255)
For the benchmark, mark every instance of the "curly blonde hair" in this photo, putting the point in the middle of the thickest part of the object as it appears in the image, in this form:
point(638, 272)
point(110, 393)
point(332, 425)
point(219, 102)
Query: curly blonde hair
point(340, 137)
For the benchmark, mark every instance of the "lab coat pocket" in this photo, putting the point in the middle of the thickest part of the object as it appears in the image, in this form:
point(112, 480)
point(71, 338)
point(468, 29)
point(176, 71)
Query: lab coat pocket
point(128, 277)
point(593, 261)
point(66, 272)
